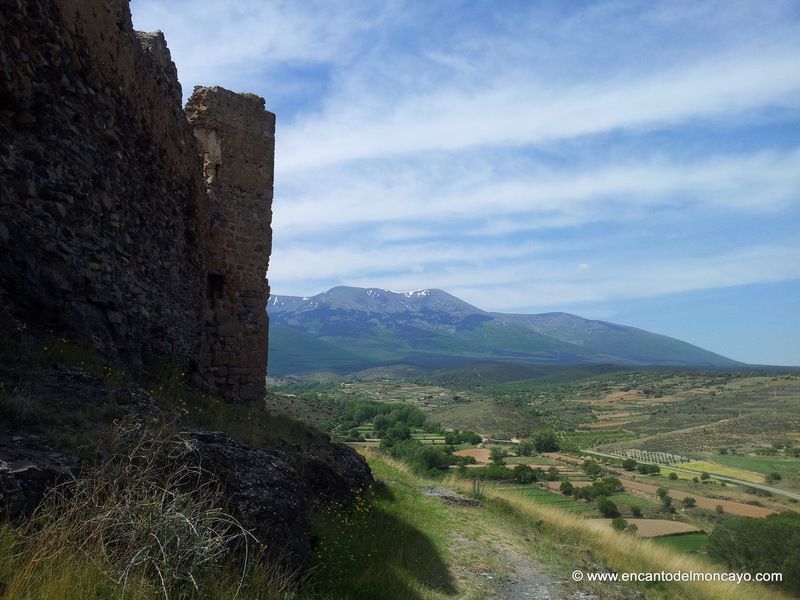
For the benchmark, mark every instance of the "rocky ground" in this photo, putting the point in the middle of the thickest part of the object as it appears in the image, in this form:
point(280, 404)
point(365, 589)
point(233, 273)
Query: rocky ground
point(54, 419)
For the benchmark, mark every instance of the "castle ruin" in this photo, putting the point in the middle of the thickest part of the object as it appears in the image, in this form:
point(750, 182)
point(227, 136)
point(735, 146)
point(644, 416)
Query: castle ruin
point(237, 138)
point(125, 221)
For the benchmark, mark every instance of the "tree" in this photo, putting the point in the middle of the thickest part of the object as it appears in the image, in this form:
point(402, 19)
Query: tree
point(704, 476)
point(567, 488)
point(673, 476)
point(526, 448)
point(524, 474)
point(606, 507)
point(497, 456)
point(695, 479)
point(666, 501)
point(592, 468)
point(629, 464)
point(689, 502)
point(636, 511)
point(661, 492)
point(545, 440)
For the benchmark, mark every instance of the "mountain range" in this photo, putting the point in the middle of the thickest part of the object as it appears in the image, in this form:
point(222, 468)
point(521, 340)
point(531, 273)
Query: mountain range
point(347, 329)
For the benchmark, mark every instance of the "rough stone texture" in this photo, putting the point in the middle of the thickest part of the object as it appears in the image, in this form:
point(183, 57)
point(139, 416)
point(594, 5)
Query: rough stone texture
point(106, 233)
point(271, 492)
point(237, 138)
point(28, 468)
point(100, 187)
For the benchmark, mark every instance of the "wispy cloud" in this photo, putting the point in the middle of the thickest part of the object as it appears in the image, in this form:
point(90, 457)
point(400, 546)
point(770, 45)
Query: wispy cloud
point(547, 284)
point(518, 109)
point(441, 191)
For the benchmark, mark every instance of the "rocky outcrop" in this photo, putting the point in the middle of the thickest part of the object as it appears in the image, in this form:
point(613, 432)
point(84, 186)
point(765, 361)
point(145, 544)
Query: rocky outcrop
point(272, 492)
point(28, 468)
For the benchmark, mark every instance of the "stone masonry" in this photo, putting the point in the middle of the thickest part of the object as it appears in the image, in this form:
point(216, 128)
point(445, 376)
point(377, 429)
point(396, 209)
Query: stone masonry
point(112, 233)
point(237, 138)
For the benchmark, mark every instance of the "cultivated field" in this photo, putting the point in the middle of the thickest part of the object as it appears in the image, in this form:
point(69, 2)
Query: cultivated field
point(650, 528)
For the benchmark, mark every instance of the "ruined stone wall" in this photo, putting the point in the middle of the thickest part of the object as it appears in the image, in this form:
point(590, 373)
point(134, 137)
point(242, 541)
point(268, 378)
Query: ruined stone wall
point(104, 216)
point(237, 138)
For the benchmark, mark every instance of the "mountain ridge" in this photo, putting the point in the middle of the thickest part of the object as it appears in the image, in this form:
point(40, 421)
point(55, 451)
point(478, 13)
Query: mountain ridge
point(430, 327)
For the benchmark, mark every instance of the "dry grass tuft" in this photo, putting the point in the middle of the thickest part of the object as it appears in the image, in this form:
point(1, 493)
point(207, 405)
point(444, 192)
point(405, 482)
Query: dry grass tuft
point(144, 518)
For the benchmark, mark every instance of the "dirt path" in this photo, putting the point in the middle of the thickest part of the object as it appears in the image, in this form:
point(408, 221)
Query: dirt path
point(527, 580)
point(506, 570)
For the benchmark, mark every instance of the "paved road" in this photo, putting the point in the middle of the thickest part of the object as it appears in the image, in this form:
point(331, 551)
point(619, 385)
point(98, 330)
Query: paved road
point(760, 486)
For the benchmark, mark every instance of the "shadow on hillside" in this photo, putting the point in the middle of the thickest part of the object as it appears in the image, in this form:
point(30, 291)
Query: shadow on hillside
point(376, 554)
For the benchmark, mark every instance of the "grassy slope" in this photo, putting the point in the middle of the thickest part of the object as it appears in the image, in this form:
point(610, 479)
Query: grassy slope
point(412, 546)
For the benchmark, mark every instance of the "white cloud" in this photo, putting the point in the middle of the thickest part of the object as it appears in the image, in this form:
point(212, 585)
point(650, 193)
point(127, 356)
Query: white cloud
point(535, 198)
point(232, 43)
point(515, 108)
point(545, 285)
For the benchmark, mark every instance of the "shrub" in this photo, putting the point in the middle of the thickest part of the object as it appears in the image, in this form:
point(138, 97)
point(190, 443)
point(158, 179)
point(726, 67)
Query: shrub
point(552, 474)
point(689, 502)
point(760, 545)
point(619, 523)
point(606, 507)
point(704, 476)
point(567, 488)
point(524, 474)
point(673, 476)
point(772, 477)
point(497, 456)
point(636, 511)
point(478, 485)
point(648, 469)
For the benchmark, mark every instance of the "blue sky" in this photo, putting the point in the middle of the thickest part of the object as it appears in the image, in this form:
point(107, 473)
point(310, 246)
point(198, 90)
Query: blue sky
point(637, 162)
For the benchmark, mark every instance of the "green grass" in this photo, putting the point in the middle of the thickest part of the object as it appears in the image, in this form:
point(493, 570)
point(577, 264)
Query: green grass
point(531, 460)
point(394, 545)
point(554, 499)
point(787, 467)
point(688, 542)
point(632, 500)
point(579, 440)
point(725, 471)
